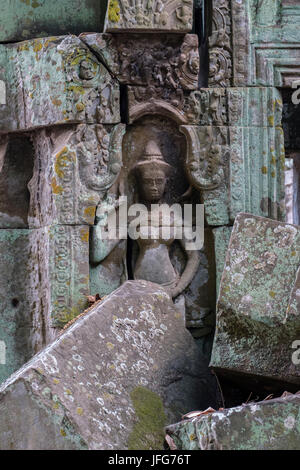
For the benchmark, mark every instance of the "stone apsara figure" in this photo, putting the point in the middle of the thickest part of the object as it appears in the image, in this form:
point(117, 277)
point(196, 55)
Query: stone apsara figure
point(153, 262)
point(157, 229)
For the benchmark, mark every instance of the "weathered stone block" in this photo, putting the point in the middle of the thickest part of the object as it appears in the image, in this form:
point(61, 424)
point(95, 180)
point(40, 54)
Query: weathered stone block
point(139, 370)
point(28, 19)
point(258, 307)
point(55, 80)
point(166, 64)
point(68, 272)
point(45, 281)
point(257, 163)
point(151, 15)
point(266, 425)
point(24, 296)
point(243, 107)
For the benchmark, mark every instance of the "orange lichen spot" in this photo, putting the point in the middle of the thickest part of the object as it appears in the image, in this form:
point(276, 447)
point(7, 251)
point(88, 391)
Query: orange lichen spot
point(56, 101)
point(84, 234)
point(37, 46)
point(55, 188)
point(63, 432)
point(79, 411)
point(89, 212)
point(80, 107)
point(264, 170)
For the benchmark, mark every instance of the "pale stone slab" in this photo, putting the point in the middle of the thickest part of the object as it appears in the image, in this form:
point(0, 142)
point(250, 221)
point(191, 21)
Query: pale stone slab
point(258, 306)
point(113, 380)
point(266, 425)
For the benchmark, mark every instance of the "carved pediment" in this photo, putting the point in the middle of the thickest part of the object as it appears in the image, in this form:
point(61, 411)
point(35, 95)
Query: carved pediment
point(147, 15)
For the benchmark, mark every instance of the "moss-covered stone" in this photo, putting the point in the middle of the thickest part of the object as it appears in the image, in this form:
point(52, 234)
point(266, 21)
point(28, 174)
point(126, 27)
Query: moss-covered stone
point(148, 433)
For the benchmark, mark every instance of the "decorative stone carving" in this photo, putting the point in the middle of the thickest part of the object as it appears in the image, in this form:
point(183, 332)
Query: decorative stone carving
point(55, 81)
point(74, 167)
point(151, 172)
point(207, 168)
point(220, 52)
point(68, 272)
point(157, 61)
point(265, 43)
point(204, 106)
point(203, 161)
point(258, 306)
point(240, 36)
point(112, 261)
point(45, 281)
point(149, 15)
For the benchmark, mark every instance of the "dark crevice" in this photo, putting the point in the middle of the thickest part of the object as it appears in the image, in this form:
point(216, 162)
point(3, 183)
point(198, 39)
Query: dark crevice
point(123, 104)
point(203, 30)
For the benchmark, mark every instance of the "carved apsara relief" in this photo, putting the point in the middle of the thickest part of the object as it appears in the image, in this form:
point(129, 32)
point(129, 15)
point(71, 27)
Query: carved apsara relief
point(220, 51)
point(92, 94)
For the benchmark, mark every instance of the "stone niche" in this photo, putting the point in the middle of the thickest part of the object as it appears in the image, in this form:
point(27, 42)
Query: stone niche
point(115, 261)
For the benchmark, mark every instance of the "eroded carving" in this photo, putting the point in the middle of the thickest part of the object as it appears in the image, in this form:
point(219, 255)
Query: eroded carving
point(159, 61)
point(162, 15)
point(204, 158)
point(220, 52)
point(92, 98)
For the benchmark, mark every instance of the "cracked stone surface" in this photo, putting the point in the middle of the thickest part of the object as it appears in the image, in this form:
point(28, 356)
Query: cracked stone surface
point(112, 380)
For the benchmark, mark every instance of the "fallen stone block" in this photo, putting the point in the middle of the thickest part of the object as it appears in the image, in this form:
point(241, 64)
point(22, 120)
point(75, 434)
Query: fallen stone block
point(113, 380)
point(266, 425)
point(258, 310)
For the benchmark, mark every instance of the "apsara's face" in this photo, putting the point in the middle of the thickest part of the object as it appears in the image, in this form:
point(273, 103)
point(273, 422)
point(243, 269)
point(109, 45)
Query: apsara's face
point(152, 183)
